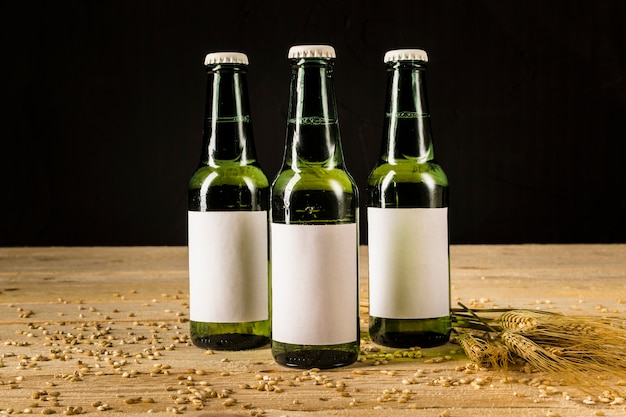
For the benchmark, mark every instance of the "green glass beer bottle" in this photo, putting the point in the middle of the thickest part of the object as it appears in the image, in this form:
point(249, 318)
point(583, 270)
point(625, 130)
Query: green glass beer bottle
point(314, 233)
point(407, 213)
point(228, 202)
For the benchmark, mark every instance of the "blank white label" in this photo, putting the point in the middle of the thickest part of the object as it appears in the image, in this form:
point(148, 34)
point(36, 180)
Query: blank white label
point(408, 262)
point(228, 267)
point(314, 284)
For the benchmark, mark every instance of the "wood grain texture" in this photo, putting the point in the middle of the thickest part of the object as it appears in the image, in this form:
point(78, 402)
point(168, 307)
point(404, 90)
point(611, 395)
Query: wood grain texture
point(93, 327)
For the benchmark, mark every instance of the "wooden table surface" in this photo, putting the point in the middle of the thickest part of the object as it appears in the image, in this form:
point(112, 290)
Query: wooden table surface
point(105, 330)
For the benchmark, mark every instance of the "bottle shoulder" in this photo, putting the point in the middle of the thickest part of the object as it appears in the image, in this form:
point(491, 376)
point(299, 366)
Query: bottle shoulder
point(407, 171)
point(314, 195)
point(229, 174)
point(315, 178)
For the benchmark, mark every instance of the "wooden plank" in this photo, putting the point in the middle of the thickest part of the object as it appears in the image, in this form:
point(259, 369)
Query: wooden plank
point(110, 325)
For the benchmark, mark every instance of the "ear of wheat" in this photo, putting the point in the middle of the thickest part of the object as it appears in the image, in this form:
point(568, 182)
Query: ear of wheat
point(585, 351)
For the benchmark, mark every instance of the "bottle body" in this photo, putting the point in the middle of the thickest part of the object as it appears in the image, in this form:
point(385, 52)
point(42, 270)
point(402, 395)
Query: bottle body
point(228, 203)
point(407, 197)
point(314, 232)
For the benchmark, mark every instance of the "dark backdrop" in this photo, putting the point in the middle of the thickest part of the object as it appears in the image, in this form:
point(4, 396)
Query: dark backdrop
point(104, 103)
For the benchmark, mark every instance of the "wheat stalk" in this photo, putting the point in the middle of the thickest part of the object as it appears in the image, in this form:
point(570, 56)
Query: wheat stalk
point(585, 351)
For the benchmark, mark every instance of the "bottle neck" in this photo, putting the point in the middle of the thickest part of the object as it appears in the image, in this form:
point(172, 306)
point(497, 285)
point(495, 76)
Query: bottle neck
point(407, 132)
point(312, 124)
point(227, 136)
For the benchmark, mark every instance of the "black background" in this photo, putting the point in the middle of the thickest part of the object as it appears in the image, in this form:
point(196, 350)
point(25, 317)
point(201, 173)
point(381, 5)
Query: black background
point(103, 107)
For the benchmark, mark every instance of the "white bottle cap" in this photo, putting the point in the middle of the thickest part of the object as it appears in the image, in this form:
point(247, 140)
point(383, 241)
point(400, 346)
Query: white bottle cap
point(311, 51)
point(406, 55)
point(226, 58)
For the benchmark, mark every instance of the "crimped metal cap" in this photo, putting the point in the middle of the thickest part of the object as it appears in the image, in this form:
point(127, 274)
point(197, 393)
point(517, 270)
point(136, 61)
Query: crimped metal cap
point(226, 58)
point(311, 51)
point(406, 55)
